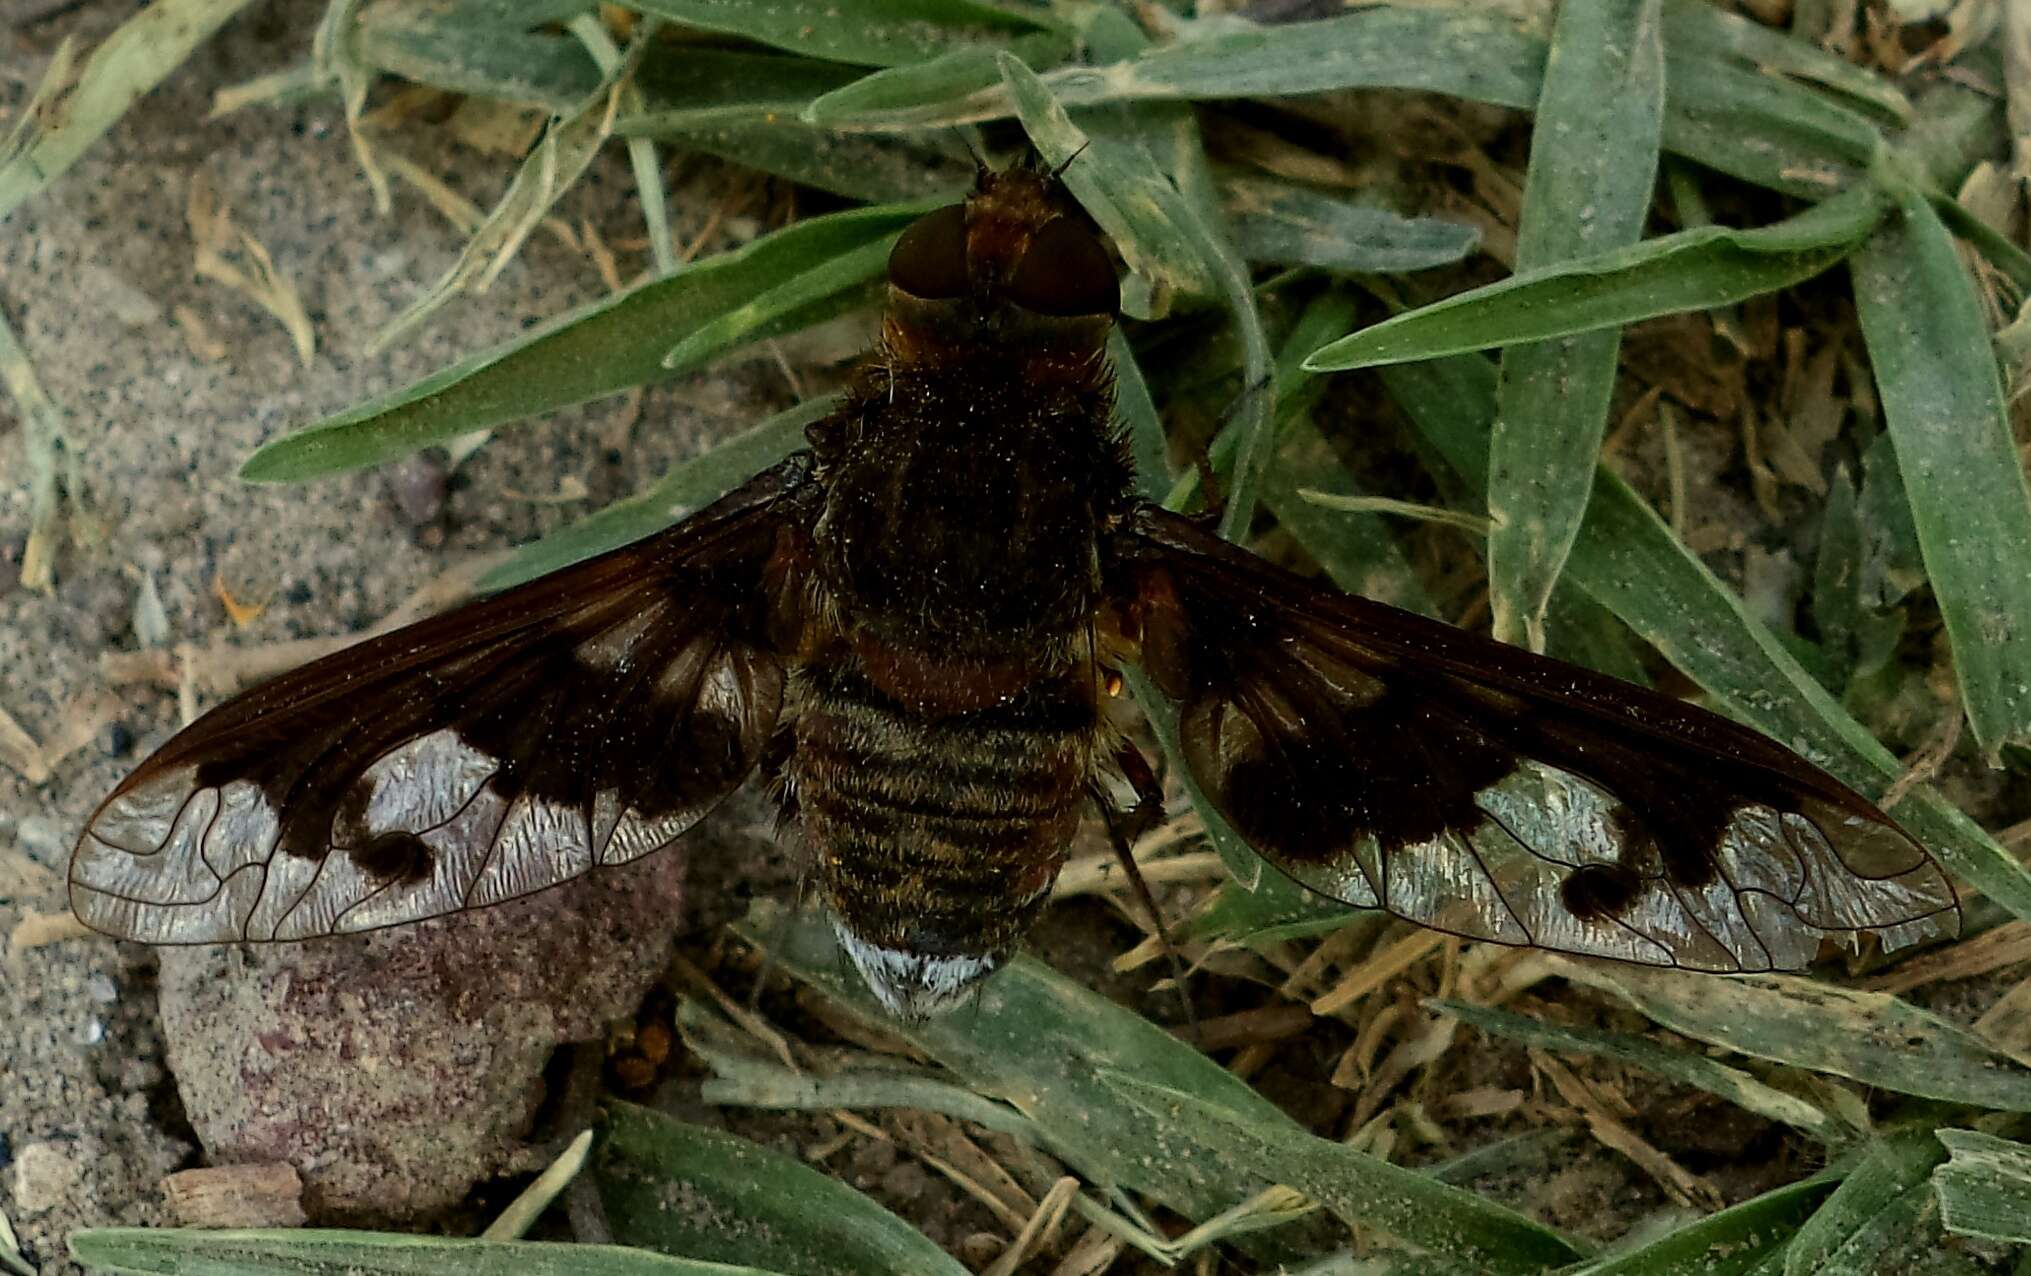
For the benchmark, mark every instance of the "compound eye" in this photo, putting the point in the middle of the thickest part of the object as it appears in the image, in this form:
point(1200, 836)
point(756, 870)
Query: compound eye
point(929, 261)
point(1065, 272)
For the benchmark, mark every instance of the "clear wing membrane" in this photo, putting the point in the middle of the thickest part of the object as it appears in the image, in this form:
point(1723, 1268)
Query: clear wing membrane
point(1390, 761)
point(579, 721)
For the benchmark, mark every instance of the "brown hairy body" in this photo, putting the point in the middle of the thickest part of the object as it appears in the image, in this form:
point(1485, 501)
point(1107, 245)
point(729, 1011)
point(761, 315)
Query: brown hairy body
point(945, 716)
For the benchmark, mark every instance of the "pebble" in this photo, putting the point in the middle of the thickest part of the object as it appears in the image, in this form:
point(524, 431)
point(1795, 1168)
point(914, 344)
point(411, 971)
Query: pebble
point(45, 1175)
point(417, 486)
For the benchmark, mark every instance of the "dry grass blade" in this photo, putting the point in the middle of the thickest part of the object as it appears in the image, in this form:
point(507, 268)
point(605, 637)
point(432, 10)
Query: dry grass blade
point(1038, 1230)
point(228, 255)
point(2005, 945)
point(522, 1212)
point(49, 455)
point(1378, 970)
point(1681, 1184)
point(36, 930)
point(81, 720)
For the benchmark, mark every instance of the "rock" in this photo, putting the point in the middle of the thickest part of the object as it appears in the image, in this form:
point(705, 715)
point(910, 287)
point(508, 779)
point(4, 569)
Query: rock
point(395, 1070)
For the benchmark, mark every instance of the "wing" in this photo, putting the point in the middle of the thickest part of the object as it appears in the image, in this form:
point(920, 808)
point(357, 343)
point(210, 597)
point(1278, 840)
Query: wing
point(1390, 761)
point(581, 720)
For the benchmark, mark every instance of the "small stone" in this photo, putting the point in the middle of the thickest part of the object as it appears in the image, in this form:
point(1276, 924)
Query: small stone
point(45, 1175)
point(269, 1195)
point(41, 839)
point(416, 484)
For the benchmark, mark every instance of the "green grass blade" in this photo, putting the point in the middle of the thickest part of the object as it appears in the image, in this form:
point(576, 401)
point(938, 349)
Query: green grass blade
point(747, 1203)
point(686, 488)
point(1869, 1037)
point(1985, 1190)
point(64, 118)
point(957, 74)
point(1288, 223)
point(1359, 1189)
point(1039, 1042)
point(1457, 52)
point(743, 1078)
point(1530, 1152)
point(1702, 28)
point(1357, 551)
point(1765, 130)
point(1146, 431)
point(1849, 1233)
point(1691, 270)
point(1738, 1240)
point(872, 33)
point(1732, 1084)
point(588, 353)
point(318, 1252)
point(710, 88)
point(1943, 403)
point(1346, 547)
point(1719, 110)
point(1593, 165)
point(735, 328)
point(1838, 610)
point(1136, 412)
point(491, 58)
point(1996, 247)
point(859, 166)
point(1627, 560)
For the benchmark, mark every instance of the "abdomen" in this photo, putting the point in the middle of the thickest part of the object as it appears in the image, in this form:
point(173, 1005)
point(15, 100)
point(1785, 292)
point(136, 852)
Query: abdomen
point(937, 837)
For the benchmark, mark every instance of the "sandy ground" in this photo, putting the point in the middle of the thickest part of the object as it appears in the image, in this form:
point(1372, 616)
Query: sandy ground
point(96, 278)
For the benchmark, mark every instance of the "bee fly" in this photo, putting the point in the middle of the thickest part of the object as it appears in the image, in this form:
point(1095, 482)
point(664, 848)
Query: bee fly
point(910, 627)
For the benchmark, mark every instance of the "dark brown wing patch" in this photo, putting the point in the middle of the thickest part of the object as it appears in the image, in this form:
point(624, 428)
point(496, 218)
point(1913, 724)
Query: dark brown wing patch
point(582, 720)
point(1391, 761)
